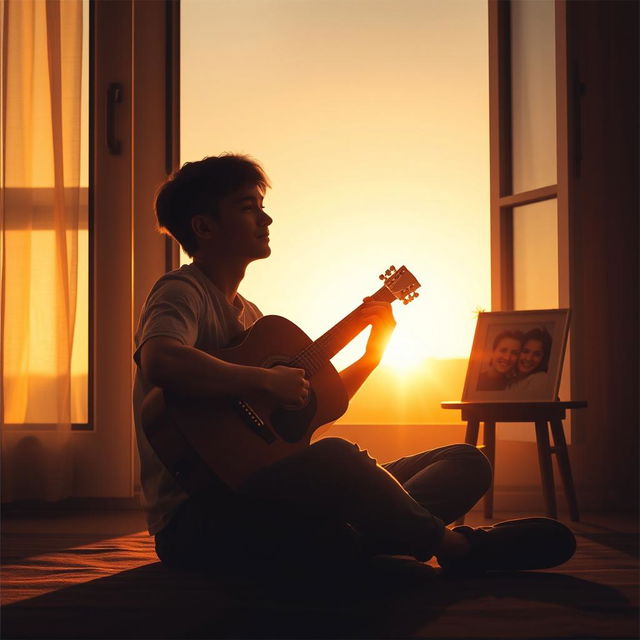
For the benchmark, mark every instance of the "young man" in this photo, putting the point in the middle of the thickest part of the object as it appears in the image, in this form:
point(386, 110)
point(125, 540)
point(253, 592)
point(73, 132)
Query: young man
point(331, 500)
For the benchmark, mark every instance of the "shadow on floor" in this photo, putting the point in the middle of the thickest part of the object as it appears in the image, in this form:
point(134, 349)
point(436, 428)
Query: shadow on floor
point(29, 534)
point(392, 598)
point(625, 541)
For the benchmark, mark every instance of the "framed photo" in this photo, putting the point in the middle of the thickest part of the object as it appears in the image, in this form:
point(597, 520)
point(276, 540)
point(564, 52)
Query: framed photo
point(517, 356)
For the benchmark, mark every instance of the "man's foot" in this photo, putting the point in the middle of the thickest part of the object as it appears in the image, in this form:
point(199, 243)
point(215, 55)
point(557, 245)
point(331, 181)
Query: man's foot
point(526, 543)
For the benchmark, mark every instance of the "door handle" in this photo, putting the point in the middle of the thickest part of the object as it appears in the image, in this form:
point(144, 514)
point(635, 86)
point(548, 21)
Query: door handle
point(114, 97)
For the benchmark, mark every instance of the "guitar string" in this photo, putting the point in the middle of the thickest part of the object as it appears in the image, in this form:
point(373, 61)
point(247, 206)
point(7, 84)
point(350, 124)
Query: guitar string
point(314, 355)
point(317, 352)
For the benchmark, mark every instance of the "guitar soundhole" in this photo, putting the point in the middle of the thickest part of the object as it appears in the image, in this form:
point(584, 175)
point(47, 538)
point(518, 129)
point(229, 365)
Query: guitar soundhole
point(292, 424)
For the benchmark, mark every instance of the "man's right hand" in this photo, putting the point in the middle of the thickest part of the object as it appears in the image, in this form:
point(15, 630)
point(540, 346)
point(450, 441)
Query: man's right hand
point(183, 369)
point(287, 385)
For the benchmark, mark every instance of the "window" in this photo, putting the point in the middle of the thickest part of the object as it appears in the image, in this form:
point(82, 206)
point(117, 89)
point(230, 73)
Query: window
point(46, 279)
point(371, 120)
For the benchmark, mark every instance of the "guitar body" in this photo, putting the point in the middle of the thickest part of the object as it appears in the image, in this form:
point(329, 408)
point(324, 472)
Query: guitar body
point(203, 442)
point(223, 435)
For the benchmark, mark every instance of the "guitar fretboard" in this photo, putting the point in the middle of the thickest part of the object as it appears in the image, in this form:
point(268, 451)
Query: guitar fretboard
point(319, 352)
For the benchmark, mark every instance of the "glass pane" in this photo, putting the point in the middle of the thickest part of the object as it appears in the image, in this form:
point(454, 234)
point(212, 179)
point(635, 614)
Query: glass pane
point(535, 248)
point(371, 120)
point(535, 255)
point(533, 85)
point(34, 351)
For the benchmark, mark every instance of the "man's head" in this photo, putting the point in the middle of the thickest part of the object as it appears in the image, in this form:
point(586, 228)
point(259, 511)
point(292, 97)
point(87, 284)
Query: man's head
point(194, 192)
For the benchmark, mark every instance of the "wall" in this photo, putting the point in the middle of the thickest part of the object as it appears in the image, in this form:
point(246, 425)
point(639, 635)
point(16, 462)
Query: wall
point(603, 56)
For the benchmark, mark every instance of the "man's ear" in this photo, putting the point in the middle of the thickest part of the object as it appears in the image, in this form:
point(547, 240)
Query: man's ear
point(203, 226)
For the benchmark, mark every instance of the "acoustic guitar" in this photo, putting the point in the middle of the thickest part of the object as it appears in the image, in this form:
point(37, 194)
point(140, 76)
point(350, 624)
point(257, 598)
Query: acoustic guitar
point(228, 439)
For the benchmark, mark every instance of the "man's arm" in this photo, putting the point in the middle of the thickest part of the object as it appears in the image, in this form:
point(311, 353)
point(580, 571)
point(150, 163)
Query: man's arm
point(169, 364)
point(380, 317)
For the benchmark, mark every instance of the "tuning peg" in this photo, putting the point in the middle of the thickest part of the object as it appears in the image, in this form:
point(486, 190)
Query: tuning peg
point(392, 268)
point(381, 276)
point(410, 296)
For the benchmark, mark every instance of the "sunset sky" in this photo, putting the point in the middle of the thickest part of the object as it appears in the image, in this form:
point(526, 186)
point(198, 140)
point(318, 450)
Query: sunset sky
point(371, 119)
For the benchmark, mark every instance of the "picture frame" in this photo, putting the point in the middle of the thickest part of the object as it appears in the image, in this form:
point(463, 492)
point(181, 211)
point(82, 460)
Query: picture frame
point(517, 356)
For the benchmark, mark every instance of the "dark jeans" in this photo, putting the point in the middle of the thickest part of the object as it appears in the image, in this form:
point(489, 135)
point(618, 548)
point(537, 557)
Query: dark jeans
point(330, 501)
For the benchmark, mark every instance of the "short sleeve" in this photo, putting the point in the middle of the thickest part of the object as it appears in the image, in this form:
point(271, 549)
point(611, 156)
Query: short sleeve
point(172, 309)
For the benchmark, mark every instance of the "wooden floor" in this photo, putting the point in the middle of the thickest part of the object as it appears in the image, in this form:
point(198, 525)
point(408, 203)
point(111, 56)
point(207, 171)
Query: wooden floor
point(94, 575)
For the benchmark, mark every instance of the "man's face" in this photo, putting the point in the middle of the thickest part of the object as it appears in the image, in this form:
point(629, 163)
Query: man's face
point(243, 225)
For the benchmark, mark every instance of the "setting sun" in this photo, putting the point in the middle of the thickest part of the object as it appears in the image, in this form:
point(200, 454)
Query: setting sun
point(402, 353)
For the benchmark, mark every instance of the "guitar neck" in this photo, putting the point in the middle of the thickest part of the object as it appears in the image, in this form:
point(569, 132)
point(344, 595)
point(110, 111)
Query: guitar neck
point(319, 352)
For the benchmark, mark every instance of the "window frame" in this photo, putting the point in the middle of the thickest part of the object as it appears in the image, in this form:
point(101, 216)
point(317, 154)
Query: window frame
point(503, 199)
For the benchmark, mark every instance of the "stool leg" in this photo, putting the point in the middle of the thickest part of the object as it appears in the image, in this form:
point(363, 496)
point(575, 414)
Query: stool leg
point(489, 437)
point(546, 469)
point(562, 455)
point(471, 434)
point(470, 437)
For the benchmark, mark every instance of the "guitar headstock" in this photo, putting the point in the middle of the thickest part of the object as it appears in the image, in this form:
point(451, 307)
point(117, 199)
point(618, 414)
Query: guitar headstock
point(400, 283)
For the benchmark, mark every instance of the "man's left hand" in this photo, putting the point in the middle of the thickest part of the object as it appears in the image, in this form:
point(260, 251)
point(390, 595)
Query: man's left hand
point(380, 316)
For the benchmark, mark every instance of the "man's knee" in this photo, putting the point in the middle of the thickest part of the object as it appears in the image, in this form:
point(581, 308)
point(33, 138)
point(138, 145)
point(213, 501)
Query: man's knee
point(337, 450)
point(475, 461)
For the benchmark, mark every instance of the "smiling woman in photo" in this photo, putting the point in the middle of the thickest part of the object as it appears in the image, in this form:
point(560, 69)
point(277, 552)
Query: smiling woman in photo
point(504, 358)
point(533, 361)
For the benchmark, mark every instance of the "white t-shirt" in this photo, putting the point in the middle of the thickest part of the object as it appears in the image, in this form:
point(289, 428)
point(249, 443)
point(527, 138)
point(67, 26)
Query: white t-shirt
point(183, 304)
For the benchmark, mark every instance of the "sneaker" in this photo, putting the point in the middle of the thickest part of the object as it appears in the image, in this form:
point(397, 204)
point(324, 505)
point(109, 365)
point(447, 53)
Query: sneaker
point(512, 545)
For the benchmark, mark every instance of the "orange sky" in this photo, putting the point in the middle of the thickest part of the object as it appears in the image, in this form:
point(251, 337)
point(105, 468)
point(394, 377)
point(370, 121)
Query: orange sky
point(371, 119)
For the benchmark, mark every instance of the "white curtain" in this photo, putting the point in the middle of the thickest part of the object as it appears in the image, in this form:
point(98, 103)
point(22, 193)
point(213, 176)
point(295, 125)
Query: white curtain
point(41, 215)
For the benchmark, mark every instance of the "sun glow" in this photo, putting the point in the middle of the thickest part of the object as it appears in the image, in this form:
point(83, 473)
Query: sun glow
point(402, 354)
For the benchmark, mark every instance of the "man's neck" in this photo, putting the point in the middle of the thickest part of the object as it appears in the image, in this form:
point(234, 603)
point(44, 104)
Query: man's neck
point(225, 276)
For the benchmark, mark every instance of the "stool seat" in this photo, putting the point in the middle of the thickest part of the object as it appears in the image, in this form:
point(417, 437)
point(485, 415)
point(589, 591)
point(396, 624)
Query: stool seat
point(544, 415)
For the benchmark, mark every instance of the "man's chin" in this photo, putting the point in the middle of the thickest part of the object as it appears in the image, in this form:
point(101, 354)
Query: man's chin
point(265, 252)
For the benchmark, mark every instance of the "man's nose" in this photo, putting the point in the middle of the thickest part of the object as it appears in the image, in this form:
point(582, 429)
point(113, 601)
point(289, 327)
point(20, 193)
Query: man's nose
point(266, 219)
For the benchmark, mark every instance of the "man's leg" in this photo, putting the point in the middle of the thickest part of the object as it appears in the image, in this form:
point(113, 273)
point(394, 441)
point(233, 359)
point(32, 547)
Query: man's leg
point(333, 480)
point(446, 481)
point(330, 501)
point(288, 511)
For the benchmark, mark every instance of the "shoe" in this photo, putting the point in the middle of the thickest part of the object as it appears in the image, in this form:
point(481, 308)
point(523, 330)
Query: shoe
point(513, 545)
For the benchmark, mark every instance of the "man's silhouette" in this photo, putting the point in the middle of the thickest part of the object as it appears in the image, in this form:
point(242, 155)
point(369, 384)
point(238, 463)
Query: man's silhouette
point(331, 501)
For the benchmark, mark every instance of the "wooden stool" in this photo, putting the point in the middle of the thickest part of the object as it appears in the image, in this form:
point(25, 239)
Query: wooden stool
point(541, 414)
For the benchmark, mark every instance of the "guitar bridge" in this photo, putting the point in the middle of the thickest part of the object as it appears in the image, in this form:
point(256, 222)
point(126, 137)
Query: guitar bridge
point(253, 421)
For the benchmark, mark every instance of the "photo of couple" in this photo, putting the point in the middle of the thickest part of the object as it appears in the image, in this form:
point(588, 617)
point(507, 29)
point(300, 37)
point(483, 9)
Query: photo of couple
point(518, 361)
point(517, 356)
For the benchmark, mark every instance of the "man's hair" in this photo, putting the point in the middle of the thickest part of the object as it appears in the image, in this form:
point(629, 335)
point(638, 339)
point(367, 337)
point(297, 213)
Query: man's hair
point(197, 188)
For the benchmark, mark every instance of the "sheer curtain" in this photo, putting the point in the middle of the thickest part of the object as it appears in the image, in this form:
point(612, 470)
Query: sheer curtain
point(40, 198)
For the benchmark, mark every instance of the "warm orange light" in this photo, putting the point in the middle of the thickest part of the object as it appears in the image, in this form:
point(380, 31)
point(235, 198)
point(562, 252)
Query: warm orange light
point(403, 354)
point(377, 150)
point(37, 344)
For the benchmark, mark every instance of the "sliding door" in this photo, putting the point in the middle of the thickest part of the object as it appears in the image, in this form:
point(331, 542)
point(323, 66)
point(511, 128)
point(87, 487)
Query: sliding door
point(67, 418)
